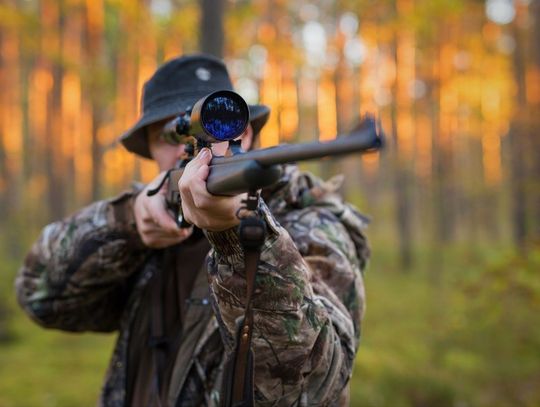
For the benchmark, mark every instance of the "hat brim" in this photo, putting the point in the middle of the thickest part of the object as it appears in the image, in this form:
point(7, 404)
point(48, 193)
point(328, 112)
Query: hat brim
point(135, 139)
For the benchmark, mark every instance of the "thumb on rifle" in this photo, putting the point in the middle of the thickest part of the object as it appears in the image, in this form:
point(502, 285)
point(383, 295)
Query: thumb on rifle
point(204, 156)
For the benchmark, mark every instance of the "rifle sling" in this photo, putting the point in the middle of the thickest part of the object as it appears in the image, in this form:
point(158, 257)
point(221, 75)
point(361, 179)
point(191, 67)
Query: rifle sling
point(252, 231)
point(157, 340)
point(243, 377)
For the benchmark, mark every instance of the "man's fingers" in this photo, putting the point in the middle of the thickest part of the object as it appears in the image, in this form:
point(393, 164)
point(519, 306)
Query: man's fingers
point(157, 213)
point(157, 233)
point(203, 158)
point(158, 241)
point(157, 237)
point(199, 206)
point(164, 220)
point(202, 173)
point(187, 203)
point(200, 195)
point(155, 224)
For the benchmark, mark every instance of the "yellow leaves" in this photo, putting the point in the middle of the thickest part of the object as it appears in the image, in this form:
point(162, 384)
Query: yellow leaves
point(266, 33)
point(95, 16)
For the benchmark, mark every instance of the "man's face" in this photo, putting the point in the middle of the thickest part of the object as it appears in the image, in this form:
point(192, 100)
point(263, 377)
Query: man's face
point(166, 155)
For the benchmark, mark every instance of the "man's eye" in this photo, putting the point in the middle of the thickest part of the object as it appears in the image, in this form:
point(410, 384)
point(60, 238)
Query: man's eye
point(170, 137)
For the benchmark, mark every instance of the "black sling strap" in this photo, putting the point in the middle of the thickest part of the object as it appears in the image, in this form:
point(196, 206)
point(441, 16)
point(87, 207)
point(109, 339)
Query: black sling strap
point(165, 344)
point(238, 387)
point(158, 340)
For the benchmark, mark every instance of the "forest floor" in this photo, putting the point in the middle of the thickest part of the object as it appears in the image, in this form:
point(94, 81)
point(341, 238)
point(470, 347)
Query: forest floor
point(457, 330)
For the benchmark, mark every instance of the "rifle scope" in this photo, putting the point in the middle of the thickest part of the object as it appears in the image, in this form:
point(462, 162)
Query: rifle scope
point(219, 116)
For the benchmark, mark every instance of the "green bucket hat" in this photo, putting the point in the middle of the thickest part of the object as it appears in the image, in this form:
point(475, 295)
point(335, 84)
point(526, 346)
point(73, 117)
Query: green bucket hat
point(176, 86)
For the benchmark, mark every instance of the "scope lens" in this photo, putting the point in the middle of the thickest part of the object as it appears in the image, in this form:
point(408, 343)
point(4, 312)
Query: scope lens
point(225, 115)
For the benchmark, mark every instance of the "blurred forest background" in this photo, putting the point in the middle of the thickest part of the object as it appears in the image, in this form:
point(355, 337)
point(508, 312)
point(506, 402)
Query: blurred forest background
point(453, 287)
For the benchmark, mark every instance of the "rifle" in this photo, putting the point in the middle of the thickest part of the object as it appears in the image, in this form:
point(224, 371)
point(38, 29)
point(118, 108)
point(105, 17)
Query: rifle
point(223, 116)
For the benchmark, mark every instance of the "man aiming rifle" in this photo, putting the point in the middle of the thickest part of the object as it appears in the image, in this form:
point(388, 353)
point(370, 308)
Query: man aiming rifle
point(203, 317)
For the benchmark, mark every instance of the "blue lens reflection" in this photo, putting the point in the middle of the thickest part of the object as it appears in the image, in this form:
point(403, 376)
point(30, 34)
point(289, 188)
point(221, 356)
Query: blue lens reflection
point(224, 118)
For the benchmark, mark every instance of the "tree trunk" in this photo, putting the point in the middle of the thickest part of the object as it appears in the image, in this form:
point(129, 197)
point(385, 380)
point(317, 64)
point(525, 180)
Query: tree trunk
point(212, 34)
point(4, 173)
point(535, 119)
point(443, 171)
point(518, 135)
point(56, 189)
point(402, 178)
point(95, 91)
point(53, 23)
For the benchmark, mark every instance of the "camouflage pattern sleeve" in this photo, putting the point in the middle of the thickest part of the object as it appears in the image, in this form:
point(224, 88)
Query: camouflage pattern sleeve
point(76, 275)
point(308, 303)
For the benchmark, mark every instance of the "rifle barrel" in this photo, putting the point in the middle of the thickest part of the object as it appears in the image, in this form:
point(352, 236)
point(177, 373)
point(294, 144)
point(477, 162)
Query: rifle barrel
point(362, 140)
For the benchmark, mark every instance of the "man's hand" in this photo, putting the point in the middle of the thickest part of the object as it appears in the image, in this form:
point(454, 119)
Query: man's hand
point(200, 208)
point(155, 225)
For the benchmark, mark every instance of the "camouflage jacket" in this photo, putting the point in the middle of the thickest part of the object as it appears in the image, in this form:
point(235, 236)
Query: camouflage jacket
point(86, 273)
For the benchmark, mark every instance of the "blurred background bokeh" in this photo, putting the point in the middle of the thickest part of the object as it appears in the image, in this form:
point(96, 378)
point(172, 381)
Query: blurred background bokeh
point(453, 286)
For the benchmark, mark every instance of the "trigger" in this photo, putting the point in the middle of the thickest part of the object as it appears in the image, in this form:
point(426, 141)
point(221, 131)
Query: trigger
point(181, 222)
